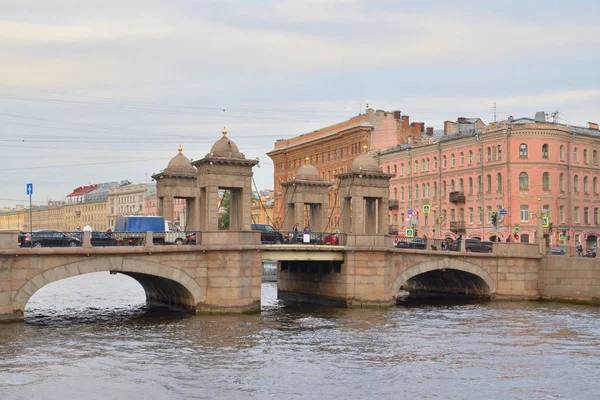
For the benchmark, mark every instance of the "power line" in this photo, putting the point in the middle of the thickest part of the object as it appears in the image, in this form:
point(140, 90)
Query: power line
point(82, 165)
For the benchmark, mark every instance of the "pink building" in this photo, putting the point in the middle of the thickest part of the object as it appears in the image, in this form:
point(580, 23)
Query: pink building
point(523, 169)
point(179, 213)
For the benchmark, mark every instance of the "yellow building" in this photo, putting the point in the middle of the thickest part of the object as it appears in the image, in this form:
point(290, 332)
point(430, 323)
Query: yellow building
point(12, 219)
point(50, 216)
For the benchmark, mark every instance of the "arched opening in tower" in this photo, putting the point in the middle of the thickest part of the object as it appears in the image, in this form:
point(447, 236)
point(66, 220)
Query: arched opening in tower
point(444, 284)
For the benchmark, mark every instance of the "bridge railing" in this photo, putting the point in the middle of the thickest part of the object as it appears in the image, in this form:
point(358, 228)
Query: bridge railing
point(314, 238)
point(571, 251)
point(158, 238)
point(50, 238)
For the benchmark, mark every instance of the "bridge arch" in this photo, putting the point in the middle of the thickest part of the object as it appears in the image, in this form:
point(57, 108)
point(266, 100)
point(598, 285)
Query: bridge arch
point(164, 285)
point(442, 264)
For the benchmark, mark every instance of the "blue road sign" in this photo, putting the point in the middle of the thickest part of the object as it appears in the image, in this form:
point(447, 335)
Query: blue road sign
point(409, 212)
point(502, 212)
point(545, 222)
point(30, 188)
point(426, 208)
point(410, 232)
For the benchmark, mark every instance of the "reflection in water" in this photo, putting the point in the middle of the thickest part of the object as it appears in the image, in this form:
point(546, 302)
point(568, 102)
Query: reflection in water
point(91, 337)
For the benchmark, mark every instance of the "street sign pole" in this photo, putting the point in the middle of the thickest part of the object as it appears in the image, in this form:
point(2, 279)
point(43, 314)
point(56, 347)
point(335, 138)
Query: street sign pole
point(30, 192)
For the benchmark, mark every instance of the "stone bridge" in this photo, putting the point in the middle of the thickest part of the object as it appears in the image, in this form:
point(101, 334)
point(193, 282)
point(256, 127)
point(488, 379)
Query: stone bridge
point(225, 278)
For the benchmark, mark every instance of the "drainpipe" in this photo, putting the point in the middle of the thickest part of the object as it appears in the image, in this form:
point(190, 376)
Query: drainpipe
point(508, 131)
point(439, 189)
point(478, 136)
point(570, 234)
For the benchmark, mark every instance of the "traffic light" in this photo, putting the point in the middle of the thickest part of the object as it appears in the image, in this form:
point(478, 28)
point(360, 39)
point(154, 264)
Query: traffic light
point(416, 232)
point(495, 218)
point(516, 235)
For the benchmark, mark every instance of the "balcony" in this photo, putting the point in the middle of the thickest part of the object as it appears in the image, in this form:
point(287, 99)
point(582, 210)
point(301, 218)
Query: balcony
point(393, 229)
point(458, 227)
point(393, 204)
point(457, 197)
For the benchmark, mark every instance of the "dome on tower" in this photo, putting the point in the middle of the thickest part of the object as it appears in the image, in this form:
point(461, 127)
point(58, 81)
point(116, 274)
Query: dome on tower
point(308, 172)
point(364, 162)
point(225, 148)
point(180, 163)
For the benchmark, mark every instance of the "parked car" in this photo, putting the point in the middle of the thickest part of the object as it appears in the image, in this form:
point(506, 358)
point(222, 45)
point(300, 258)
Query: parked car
point(314, 238)
point(478, 246)
point(102, 239)
point(332, 239)
point(557, 251)
point(191, 238)
point(411, 243)
point(47, 238)
point(268, 234)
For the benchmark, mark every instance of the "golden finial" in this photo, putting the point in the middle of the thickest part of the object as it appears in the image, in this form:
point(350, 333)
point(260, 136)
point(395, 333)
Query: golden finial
point(224, 131)
point(365, 147)
point(306, 160)
point(180, 148)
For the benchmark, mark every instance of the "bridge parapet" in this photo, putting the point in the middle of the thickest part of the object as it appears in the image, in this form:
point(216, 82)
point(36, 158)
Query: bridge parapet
point(9, 239)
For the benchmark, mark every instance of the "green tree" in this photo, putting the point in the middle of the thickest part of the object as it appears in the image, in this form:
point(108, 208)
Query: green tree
point(224, 217)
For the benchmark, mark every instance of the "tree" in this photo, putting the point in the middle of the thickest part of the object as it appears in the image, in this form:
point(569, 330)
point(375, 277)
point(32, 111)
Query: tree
point(224, 217)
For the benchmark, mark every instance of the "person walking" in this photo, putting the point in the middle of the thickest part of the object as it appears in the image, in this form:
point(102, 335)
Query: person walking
point(579, 250)
point(295, 228)
point(307, 228)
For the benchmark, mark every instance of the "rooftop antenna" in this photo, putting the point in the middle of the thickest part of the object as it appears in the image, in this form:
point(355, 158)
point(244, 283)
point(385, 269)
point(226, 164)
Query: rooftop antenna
point(554, 116)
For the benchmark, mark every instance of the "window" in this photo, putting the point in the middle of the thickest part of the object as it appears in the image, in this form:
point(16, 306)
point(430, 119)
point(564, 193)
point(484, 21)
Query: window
point(416, 192)
point(595, 185)
point(428, 164)
point(424, 191)
point(575, 154)
point(499, 183)
point(395, 169)
point(545, 181)
point(388, 169)
point(462, 159)
point(586, 189)
point(561, 213)
point(470, 185)
point(480, 213)
point(546, 210)
point(452, 215)
point(595, 157)
point(489, 154)
point(461, 185)
point(402, 169)
point(395, 194)
point(576, 183)
point(423, 165)
point(585, 156)
point(452, 160)
point(523, 181)
point(444, 162)
point(561, 153)
point(470, 157)
point(470, 215)
point(452, 185)
point(488, 213)
point(488, 180)
point(524, 213)
point(523, 150)
point(416, 167)
point(435, 188)
point(444, 189)
point(428, 190)
point(586, 215)
point(544, 151)
point(499, 152)
point(402, 193)
point(576, 215)
point(595, 215)
point(435, 165)
point(561, 182)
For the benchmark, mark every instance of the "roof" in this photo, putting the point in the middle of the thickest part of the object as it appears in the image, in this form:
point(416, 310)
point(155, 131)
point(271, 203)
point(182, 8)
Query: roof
point(332, 133)
point(82, 190)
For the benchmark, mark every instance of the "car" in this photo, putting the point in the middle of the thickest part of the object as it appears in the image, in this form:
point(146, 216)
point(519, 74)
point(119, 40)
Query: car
point(102, 239)
point(557, 251)
point(591, 253)
point(47, 238)
point(478, 246)
point(411, 243)
point(268, 234)
point(191, 238)
point(313, 238)
point(332, 239)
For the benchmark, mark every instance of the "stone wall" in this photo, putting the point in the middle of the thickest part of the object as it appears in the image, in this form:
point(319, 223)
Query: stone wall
point(570, 278)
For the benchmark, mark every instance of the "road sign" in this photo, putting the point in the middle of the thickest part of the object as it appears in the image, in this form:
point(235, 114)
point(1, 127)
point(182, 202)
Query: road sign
point(517, 229)
point(561, 236)
point(545, 222)
point(502, 212)
point(410, 232)
point(30, 188)
point(409, 212)
point(426, 208)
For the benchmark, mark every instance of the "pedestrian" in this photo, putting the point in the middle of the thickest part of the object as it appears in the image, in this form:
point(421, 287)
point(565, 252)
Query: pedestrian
point(508, 239)
point(79, 233)
point(579, 250)
point(307, 228)
point(295, 229)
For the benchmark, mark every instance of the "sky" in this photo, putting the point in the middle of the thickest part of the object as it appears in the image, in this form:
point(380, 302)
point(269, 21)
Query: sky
point(101, 91)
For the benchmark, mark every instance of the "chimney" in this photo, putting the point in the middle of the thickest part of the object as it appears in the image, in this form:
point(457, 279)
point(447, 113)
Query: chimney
point(397, 114)
point(446, 123)
point(593, 125)
point(461, 119)
point(430, 131)
point(540, 116)
point(418, 127)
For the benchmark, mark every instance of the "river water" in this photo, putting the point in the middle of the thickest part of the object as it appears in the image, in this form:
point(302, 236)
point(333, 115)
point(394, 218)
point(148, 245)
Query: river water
point(90, 337)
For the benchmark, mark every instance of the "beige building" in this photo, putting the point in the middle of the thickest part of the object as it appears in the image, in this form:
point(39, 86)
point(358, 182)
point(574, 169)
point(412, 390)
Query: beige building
point(12, 219)
point(128, 199)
